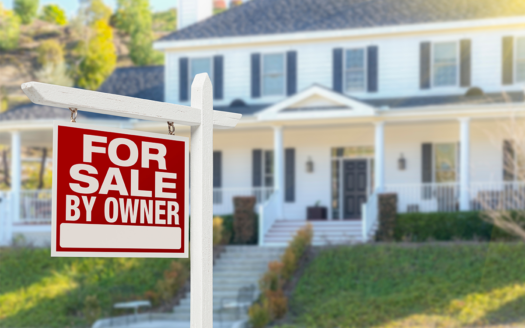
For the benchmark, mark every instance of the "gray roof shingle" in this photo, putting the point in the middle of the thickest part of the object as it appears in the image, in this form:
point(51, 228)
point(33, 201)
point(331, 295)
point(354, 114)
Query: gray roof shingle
point(259, 17)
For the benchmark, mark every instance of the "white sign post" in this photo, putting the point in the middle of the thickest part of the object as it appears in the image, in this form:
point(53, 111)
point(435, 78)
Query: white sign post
point(202, 119)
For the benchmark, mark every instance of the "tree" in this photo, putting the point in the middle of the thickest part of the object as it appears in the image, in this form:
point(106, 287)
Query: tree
point(133, 17)
point(9, 29)
point(93, 11)
point(165, 21)
point(50, 52)
point(99, 59)
point(26, 10)
point(54, 74)
point(54, 14)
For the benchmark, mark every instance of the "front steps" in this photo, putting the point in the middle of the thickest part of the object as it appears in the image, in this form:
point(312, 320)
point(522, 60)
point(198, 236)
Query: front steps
point(325, 232)
point(237, 266)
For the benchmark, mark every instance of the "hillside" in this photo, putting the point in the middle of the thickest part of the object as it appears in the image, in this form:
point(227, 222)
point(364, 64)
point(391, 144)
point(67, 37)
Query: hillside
point(433, 285)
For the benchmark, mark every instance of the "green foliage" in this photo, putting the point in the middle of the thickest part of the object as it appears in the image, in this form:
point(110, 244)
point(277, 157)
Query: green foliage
point(100, 57)
point(26, 10)
point(454, 285)
point(50, 52)
point(54, 14)
point(9, 29)
point(134, 18)
point(446, 226)
point(259, 315)
point(37, 290)
point(228, 232)
point(55, 74)
point(165, 21)
point(93, 11)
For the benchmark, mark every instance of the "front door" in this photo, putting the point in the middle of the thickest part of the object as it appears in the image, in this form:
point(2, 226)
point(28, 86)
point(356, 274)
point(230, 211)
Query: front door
point(354, 188)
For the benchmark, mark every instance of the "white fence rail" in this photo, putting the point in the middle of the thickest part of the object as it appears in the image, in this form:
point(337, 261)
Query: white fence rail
point(425, 197)
point(497, 195)
point(369, 220)
point(267, 215)
point(5, 219)
point(223, 197)
point(35, 206)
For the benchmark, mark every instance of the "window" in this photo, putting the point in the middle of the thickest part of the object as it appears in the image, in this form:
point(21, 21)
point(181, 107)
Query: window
point(445, 162)
point(520, 59)
point(200, 65)
point(354, 72)
point(268, 168)
point(273, 77)
point(445, 64)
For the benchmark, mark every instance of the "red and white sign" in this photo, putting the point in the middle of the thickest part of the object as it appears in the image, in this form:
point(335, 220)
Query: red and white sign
point(119, 193)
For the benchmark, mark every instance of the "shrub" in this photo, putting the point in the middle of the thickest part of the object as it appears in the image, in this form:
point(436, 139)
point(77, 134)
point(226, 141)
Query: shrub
point(91, 308)
point(54, 14)
point(9, 29)
point(277, 303)
point(26, 10)
point(50, 52)
point(217, 231)
point(174, 279)
point(259, 315)
point(295, 251)
point(445, 226)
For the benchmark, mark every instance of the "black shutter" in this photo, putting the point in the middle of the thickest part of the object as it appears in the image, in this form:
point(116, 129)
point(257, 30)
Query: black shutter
point(424, 65)
point(372, 68)
point(337, 71)
point(217, 169)
point(507, 62)
point(183, 79)
point(289, 173)
point(466, 62)
point(257, 168)
point(291, 72)
point(426, 169)
point(508, 160)
point(218, 77)
point(256, 75)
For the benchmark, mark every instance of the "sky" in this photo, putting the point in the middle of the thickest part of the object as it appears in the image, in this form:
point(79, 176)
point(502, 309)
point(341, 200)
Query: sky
point(71, 6)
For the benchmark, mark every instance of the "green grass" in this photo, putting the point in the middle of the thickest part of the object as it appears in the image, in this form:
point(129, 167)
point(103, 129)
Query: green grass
point(455, 285)
point(39, 291)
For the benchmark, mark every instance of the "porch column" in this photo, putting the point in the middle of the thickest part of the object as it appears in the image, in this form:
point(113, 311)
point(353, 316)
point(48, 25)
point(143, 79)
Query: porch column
point(379, 157)
point(464, 161)
point(278, 168)
point(16, 174)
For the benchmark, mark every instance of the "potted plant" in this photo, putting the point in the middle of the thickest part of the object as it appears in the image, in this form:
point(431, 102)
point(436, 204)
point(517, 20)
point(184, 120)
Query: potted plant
point(316, 212)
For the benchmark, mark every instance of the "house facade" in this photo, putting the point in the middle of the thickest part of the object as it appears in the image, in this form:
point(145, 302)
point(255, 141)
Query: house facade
point(341, 101)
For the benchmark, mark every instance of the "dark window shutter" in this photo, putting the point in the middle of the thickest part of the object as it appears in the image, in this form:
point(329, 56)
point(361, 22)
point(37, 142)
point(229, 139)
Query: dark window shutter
point(289, 180)
point(217, 169)
point(426, 169)
point(257, 168)
point(372, 68)
point(466, 62)
point(256, 75)
point(218, 77)
point(507, 62)
point(508, 160)
point(291, 72)
point(183, 79)
point(338, 69)
point(424, 65)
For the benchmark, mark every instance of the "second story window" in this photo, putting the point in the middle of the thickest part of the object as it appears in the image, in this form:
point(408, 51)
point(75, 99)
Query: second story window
point(445, 64)
point(520, 59)
point(354, 73)
point(273, 77)
point(200, 65)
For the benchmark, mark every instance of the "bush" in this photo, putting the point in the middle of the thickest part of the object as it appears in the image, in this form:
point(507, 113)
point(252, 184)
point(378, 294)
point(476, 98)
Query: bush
point(174, 279)
point(54, 14)
point(446, 226)
point(9, 29)
point(26, 10)
point(259, 315)
point(217, 231)
point(228, 232)
point(50, 52)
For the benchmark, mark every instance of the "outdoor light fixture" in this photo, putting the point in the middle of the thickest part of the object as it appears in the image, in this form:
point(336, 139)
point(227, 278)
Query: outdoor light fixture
point(401, 163)
point(309, 165)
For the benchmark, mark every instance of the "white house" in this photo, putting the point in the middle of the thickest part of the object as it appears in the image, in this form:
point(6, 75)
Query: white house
point(341, 100)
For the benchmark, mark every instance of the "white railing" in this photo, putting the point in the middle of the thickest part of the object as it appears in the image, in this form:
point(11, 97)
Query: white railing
point(497, 195)
point(35, 206)
point(267, 215)
point(425, 197)
point(5, 219)
point(369, 216)
point(223, 197)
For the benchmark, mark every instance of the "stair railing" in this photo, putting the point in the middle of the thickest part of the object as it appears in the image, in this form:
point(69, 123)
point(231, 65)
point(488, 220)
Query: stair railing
point(369, 217)
point(267, 215)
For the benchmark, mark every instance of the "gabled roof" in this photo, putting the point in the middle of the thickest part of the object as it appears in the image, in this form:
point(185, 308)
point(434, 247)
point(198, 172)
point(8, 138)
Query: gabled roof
point(316, 102)
point(262, 17)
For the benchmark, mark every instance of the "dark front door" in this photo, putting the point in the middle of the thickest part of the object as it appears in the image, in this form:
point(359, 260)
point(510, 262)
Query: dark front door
point(354, 188)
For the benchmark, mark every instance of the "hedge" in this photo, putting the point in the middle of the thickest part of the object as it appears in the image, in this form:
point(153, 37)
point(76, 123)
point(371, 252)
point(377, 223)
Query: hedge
point(446, 226)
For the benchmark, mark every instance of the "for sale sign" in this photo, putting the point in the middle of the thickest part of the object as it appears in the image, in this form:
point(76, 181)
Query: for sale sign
point(119, 193)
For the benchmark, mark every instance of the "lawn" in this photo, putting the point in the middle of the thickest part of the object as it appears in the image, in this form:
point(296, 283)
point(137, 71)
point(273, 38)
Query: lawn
point(433, 285)
point(39, 291)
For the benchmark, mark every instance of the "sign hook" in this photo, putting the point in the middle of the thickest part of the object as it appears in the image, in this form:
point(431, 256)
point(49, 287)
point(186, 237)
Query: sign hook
point(171, 129)
point(74, 113)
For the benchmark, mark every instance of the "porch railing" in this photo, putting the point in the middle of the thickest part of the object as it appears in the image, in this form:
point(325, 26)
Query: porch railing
point(268, 214)
point(5, 219)
point(425, 197)
point(223, 197)
point(497, 195)
point(35, 206)
point(369, 215)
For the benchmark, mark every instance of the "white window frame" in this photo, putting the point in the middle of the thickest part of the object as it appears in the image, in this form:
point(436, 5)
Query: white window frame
point(365, 70)
point(190, 75)
point(515, 58)
point(432, 64)
point(285, 69)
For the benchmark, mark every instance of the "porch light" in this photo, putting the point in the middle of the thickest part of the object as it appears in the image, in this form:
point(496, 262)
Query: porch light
point(401, 163)
point(309, 165)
